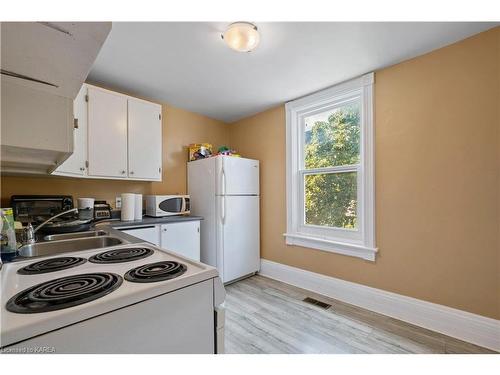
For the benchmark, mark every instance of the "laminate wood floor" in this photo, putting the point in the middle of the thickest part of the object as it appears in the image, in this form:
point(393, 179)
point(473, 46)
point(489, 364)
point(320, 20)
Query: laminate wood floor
point(267, 316)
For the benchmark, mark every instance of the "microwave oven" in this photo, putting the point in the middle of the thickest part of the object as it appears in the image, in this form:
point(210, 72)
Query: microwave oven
point(167, 205)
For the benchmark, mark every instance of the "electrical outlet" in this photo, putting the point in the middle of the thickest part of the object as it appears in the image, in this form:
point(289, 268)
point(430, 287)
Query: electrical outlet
point(118, 202)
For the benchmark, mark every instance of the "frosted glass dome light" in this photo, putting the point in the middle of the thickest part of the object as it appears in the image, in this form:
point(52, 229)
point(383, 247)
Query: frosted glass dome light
point(241, 36)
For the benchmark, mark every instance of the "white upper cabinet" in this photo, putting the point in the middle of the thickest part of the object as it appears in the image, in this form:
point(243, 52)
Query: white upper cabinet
point(115, 137)
point(58, 53)
point(43, 67)
point(37, 128)
point(107, 133)
point(76, 164)
point(144, 140)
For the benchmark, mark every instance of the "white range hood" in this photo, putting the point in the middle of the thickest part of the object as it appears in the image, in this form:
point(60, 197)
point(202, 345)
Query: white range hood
point(43, 66)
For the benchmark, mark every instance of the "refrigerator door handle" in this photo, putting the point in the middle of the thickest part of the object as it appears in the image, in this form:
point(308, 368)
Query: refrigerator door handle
point(223, 210)
point(223, 181)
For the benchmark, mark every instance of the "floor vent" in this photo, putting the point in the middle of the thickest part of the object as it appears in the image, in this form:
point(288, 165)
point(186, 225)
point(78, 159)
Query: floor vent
point(315, 302)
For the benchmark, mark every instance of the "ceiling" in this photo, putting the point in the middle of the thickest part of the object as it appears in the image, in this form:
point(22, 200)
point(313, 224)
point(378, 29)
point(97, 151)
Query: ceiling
point(186, 64)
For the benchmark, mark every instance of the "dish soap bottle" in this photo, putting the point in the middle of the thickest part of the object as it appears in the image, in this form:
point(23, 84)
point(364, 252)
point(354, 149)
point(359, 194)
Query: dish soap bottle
point(8, 245)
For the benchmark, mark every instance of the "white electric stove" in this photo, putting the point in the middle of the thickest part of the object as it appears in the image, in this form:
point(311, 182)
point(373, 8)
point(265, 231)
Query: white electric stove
point(134, 298)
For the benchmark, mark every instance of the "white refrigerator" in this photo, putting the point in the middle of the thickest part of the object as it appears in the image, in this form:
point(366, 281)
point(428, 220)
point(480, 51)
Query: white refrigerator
point(224, 190)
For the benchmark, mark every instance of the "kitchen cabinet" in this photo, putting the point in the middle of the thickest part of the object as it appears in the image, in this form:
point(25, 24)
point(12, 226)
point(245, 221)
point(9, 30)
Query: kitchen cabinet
point(75, 165)
point(149, 234)
point(144, 140)
point(43, 67)
point(182, 238)
point(37, 128)
point(107, 133)
point(118, 137)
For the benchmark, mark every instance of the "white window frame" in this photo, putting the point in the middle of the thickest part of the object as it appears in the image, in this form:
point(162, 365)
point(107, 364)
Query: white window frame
point(358, 242)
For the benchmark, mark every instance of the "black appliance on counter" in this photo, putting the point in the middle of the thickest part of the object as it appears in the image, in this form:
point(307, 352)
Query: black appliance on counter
point(102, 210)
point(36, 209)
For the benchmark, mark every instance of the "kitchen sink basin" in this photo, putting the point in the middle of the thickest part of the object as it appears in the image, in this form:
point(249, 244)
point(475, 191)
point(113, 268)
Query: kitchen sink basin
point(69, 236)
point(66, 246)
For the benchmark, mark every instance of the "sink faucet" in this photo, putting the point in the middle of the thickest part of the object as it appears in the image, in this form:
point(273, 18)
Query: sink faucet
point(29, 231)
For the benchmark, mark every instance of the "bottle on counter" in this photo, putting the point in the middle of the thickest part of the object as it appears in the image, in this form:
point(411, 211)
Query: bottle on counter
point(8, 245)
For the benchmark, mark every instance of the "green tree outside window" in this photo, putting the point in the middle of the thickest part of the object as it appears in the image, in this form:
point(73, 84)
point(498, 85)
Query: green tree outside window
point(331, 198)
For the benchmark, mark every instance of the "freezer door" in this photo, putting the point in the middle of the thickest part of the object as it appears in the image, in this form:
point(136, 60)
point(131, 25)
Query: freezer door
point(240, 236)
point(237, 176)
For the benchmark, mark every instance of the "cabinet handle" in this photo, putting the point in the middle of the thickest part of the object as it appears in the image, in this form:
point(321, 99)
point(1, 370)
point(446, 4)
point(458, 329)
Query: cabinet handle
point(82, 169)
point(131, 172)
point(123, 172)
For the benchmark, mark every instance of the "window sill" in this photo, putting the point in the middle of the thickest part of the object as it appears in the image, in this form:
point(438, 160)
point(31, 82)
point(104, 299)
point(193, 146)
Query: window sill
point(343, 248)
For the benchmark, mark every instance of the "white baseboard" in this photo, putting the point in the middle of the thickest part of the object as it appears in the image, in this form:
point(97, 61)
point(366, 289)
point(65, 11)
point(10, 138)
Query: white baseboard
point(460, 324)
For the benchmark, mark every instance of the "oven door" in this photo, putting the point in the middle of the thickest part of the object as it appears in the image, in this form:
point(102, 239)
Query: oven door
point(180, 322)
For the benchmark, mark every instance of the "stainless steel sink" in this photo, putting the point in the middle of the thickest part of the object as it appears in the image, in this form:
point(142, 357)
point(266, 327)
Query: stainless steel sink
point(69, 236)
point(66, 246)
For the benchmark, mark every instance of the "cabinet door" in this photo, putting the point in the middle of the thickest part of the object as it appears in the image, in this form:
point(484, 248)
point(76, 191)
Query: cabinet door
point(148, 234)
point(75, 164)
point(182, 238)
point(107, 127)
point(144, 140)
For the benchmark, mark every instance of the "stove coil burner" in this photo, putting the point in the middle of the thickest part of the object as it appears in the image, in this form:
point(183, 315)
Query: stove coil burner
point(121, 255)
point(64, 292)
point(51, 265)
point(152, 272)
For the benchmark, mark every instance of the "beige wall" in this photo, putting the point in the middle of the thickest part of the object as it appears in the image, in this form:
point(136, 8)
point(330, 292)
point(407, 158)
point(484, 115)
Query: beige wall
point(99, 189)
point(180, 128)
point(437, 180)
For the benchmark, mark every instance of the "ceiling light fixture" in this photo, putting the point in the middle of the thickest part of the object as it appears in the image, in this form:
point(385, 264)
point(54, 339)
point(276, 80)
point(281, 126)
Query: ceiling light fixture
point(241, 36)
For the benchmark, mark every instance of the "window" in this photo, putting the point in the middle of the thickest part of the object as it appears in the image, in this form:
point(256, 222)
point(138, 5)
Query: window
point(330, 157)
